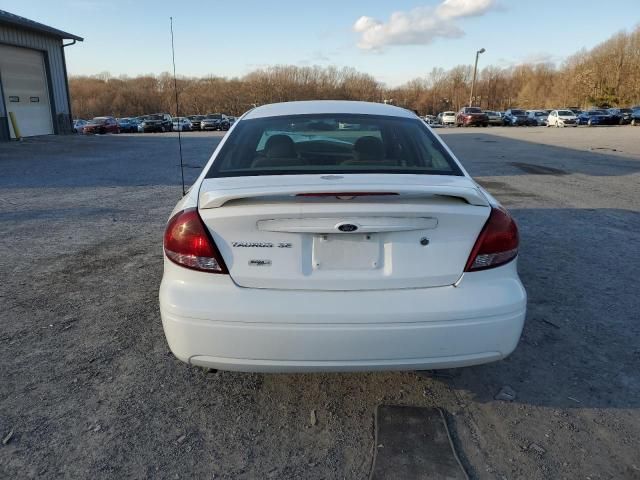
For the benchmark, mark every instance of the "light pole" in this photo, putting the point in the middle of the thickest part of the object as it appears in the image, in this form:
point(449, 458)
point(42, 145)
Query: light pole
point(475, 71)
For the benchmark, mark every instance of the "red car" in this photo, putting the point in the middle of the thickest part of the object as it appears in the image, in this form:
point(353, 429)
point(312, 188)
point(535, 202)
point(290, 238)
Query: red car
point(469, 116)
point(102, 125)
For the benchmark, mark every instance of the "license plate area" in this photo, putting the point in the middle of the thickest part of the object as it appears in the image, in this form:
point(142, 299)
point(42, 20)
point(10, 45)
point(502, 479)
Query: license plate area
point(347, 252)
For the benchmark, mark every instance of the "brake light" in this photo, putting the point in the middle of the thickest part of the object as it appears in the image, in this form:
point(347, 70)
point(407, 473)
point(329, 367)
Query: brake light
point(497, 243)
point(345, 194)
point(188, 243)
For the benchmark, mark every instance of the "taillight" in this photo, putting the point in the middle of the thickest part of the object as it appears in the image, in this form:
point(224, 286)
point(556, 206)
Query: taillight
point(188, 243)
point(497, 243)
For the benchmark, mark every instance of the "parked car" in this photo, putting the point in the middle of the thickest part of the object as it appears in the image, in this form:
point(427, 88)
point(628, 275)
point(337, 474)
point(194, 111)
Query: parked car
point(181, 124)
point(214, 121)
point(537, 117)
point(447, 118)
point(515, 117)
point(158, 122)
point(102, 125)
point(140, 121)
point(78, 125)
point(429, 119)
point(623, 115)
point(128, 125)
point(469, 116)
point(135, 123)
point(596, 117)
point(195, 121)
point(494, 117)
point(635, 116)
point(267, 268)
point(231, 119)
point(561, 118)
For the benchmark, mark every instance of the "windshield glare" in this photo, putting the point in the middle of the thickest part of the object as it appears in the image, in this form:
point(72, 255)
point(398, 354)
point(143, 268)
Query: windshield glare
point(336, 143)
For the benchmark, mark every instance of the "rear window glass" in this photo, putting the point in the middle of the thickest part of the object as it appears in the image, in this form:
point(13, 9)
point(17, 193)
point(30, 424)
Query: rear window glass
point(472, 110)
point(306, 144)
point(517, 112)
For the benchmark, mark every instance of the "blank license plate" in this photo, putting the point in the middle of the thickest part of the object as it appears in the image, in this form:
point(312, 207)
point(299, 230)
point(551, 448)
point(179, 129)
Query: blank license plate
point(346, 252)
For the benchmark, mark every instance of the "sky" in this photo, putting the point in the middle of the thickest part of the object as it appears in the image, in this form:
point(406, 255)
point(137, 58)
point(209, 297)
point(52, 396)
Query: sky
point(393, 43)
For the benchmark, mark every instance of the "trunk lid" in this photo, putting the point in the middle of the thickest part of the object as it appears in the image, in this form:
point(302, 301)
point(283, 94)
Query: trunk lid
point(343, 232)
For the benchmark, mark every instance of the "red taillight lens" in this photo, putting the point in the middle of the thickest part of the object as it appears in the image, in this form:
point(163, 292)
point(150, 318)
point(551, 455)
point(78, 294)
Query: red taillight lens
point(497, 243)
point(188, 243)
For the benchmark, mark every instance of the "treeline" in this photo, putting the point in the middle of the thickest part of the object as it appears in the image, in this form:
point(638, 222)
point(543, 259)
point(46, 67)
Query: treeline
point(607, 75)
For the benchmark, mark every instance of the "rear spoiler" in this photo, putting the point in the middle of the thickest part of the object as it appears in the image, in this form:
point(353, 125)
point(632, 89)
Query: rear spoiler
point(217, 198)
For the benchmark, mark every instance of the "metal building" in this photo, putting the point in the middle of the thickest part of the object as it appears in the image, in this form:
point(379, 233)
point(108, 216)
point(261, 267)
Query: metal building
point(33, 78)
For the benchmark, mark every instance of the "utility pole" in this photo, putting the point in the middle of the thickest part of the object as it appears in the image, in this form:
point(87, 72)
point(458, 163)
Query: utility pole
point(475, 71)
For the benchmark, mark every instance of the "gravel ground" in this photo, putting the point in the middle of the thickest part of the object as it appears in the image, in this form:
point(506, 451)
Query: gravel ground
point(88, 388)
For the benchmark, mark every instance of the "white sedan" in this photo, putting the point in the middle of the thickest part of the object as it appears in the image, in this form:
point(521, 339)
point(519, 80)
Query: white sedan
point(562, 118)
point(306, 247)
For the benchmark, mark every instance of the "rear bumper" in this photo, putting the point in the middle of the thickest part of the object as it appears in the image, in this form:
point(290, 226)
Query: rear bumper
point(209, 321)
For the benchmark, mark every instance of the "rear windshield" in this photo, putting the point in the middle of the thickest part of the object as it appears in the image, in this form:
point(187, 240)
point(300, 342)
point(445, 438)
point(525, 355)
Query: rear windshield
point(340, 143)
point(473, 110)
point(155, 117)
point(517, 112)
point(215, 116)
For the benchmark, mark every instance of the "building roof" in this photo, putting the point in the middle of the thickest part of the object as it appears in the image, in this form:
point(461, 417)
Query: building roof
point(13, 20)
point(328, 106)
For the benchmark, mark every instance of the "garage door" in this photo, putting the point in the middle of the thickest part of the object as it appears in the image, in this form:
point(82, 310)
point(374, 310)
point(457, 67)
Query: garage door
point(24, 82)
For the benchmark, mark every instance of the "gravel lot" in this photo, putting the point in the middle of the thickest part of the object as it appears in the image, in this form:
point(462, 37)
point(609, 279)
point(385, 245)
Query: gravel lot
point(88, 388)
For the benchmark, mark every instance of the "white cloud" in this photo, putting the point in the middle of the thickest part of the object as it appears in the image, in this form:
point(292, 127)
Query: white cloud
point(419, 26)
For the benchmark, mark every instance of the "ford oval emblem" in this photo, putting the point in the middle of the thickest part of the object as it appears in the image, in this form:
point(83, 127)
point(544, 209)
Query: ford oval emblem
point(347, 227)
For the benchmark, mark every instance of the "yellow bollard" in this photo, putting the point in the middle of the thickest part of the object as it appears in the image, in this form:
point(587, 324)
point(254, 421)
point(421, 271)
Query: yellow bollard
point(14, 123)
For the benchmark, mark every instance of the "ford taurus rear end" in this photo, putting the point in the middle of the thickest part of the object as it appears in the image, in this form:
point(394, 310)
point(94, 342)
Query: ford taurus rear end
point(337, 236)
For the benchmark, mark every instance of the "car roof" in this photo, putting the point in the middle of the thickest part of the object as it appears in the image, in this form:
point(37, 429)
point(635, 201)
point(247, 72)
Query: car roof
point(327, 106)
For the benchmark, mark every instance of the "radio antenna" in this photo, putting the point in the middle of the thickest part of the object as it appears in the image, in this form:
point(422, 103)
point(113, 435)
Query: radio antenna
point(175, 88)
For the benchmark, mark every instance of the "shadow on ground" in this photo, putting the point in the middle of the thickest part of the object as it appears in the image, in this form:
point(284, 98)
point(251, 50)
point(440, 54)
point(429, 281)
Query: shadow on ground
point(496, 155)
point(103, 160)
